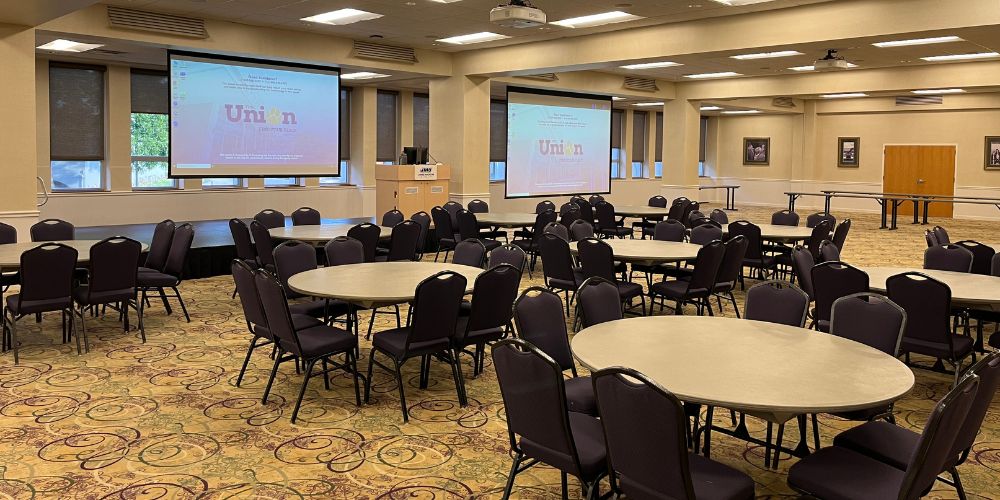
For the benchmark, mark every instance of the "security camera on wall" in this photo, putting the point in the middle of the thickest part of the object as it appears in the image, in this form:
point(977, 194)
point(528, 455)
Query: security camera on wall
point(517, 14)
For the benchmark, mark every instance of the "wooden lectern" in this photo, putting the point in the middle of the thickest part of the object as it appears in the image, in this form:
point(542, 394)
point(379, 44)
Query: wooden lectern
point(410, 188)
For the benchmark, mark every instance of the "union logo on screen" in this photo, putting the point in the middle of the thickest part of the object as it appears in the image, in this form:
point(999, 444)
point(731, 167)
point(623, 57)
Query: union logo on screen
point(239, 113)
point(548, 147)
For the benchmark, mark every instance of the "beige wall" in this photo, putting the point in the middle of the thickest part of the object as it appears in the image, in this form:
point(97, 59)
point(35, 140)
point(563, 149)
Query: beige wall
point(17, 128)
point(784, 131)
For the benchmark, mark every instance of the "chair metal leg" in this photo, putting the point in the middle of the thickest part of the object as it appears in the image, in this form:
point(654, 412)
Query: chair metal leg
point(402, 393)
point(181, 301)
point(274, 372)
point(326, 376)
point(352, 360)
point(565, 487)
point(958, 483)
point(767, 445)
point(815, 422)
point(166, 303)
point(13, 337)
point(777, 445)
point(302, 390)
point(513, 472)
point(456, 371)
point(371, 367)
point(246, 361)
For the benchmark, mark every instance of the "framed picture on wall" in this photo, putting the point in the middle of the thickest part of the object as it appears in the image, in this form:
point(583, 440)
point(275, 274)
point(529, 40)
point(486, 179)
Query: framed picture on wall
point(849, 152)
point(993, 153)
point(756, 150)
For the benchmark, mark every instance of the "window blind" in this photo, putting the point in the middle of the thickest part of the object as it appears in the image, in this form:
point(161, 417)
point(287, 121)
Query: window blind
point(149, 92)
point(421, 120)
point(498, 131)
point(76, 112)
point(639, 136)
point(386, 148)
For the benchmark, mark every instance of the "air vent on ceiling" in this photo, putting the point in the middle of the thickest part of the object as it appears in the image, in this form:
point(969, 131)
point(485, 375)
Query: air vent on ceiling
point(783, 102)
point(169, 24)
point(644, 84)
point(918, 100)
point(106, 52)
point(545, 77)
point(368, 50)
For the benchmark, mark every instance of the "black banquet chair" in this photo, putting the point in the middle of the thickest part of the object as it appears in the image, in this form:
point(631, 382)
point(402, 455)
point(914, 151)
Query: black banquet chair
point(402, 242)
point(245, 250)
point(424, 220)
point(270, 218)
point(163, 234)
point(607, 226)
point(982, 255)
point(8, 234)
point(262, 243)
point(729, 272)
point(597, 259)
point(444, 232)
point(306, 216)
point(641, 420)
point(754, 258)
point(531, 243)
point(478, 206)
point(814, 219)
point(508, 254)
point(468, 228)
point(469, 252)
point(295, 257)
point(777, 302)
point(831, 281)
point(392, 217)
point(368, 234)
point(172, 274)
point(697, 290)
point(490, 313)
point(52, 230)
point(558, 272)
point(114, 268)
point(948, 257)
point(598, 301)
point(540, 427)
point(46, 286)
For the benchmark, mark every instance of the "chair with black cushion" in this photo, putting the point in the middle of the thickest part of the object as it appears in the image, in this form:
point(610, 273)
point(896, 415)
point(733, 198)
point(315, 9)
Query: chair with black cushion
point(270, 218)
point(490, 313)
point(705, 233)
point(720, 216)
point(698, 289)
point(587, 212)
point(820, 233)
point(543, 206)
point(344, 250)
point(677, 208)
point(641, 419)
point(840, 234)
point(540, 428)
point(893, 445)
point(263, 244)
point(391, 218)
point(444, 232)
point(569, 213)
point(508, 254)
point(294, 257)
point(597, 259)
point(113, 270)
point(431, 324)
point(598, 301)
point(531, 244)
point(729, 272)
point(173, 272)
point(306, 216)
point(52, 230)
point(692, 207)
point(581, 230)
point(813, 219)
point(831, 281)
point(402, 242)
point(46, 286)
point(478, 206)
point(163, 234)
point(645, 226)
point(694, 217)
point(701, 221)
point(948, 257)
point(470, 252)
point(777, 302)
point(838, 472)
point(539, 318)
point(424, 220)
point(607, 226)
point(8, 235)
point(785, 218)
point(940, 235)
point(452, 208)
point(558, 271)
point(982, 255)
point(783, 257)
point(802, 264)
point(669, 230)
point(368, 234)
point(930, 238)
point(305, 346)
point(559, 229)
point(828, 252)
point(927, 303)
point(594, 199)
point(245, 250)
point(754, 258)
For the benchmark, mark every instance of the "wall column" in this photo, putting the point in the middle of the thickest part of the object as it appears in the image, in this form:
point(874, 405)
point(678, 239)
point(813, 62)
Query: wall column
point(405, 128)
point(804, 170)
point(364, 114)
point(681, 138)
point(17, 130)
point(460, 133)
point(118, 155)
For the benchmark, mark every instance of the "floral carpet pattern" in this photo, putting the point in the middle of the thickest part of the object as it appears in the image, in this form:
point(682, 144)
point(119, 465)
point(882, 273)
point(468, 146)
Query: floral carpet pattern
point(165, 419)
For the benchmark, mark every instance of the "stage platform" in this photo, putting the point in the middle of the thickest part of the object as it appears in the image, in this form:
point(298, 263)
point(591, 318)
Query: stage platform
point(212, 250)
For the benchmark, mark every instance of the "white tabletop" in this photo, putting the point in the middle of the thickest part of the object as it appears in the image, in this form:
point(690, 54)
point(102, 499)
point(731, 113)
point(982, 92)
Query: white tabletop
point(375, 283)
point(641, 211)
point(973, 290)
point(649, 251)
point(773, 371)
point(774, 232)
point(506, 219)
point(319, 234)
point(10, 254)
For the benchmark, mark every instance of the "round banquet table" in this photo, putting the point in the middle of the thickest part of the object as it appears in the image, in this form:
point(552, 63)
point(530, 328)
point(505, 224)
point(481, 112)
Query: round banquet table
point(319, 234)
point(10, 254)
point(375, 283)
point(768, 370)
point(641, 211)
point(773, 232)
point(506, 219)
point(650, 252)
point(977, 291)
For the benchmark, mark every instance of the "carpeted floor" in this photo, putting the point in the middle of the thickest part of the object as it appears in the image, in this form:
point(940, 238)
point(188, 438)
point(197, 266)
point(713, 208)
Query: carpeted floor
point(165, 420)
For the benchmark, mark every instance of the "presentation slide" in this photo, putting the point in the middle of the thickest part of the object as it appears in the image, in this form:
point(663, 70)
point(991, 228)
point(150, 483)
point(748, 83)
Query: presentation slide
point(235, 118)
point(557, 143)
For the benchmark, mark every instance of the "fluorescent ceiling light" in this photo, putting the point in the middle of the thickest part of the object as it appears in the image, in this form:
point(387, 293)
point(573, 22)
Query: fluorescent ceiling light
point(446, 1)
point(724, 74)
point(918, 41)
point(938, 91)
point(710, 108)
point(603, 18)
point(362, 75)
point(484, 36)
point(844, 96)
point(342, 16)
point(813, 68)
point(961, 57)
point(767, 55)
point(652, 65)
point(648, 104)
point(742, 112)
point(616, 98)
point(69, 46)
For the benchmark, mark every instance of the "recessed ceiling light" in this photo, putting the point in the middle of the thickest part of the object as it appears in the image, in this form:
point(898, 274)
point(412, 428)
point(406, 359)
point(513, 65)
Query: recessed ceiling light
point(69, 46)
point(485, 36)
point(742, 112)
point(615, 16)
point(710, 108)
point(938, 91)
point(961, 57)
point(767, 55)
point(918, 41)
point(847, 95)
point(362, 75)
point(724, 74)
point(616, 98)
point(652, 65)
point(648, 104)
point(813, 68)
point(342, 16)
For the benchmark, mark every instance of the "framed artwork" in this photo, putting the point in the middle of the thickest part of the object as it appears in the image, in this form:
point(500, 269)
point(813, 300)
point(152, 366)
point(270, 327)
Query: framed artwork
point(849, 152)
point(993, 153)
point(756, 150)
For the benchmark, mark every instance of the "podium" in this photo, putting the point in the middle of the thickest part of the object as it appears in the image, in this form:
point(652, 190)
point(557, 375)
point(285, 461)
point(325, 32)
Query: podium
point(410, 188)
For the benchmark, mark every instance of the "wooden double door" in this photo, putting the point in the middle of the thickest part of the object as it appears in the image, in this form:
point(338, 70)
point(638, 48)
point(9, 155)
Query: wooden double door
point(920, 170)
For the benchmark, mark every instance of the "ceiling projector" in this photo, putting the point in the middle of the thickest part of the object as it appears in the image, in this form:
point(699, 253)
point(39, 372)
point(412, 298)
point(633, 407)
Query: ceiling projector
point(517, 14)
point(831, 62)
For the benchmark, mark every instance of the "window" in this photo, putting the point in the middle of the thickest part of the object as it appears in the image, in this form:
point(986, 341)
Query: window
point(221, 182)
point(343, 178)
point(150, 134)
point(702, 145)
point(421, 120)
point(386, 148)
point(639, 137)
point(280, 181)
point(658, 158)
point(76, 126)
point(617, 172)
point(345, 140)
point(498, 140)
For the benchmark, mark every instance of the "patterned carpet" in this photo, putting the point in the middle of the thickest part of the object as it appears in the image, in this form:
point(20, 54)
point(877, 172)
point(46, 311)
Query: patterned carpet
point(165, 420)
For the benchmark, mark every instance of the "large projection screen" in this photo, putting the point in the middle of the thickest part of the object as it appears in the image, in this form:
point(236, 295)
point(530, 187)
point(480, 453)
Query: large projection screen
point(235, 117)
point(558, 143)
